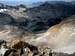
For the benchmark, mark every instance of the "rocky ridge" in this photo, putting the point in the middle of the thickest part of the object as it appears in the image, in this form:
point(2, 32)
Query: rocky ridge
point(45, 15)
point(19, 24)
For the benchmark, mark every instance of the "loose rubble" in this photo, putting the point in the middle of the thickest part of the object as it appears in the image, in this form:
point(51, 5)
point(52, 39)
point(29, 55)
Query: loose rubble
point(26, 49)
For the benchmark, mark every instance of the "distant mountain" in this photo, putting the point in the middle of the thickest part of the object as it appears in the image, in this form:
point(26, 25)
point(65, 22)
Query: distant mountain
point(50, 14)
point(34, 4)
point(12, 3)
point(46, 14)
point(15, 3)
point(73, 2)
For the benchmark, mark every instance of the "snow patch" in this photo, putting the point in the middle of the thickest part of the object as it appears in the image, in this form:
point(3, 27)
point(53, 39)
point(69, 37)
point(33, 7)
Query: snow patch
point(3, 10)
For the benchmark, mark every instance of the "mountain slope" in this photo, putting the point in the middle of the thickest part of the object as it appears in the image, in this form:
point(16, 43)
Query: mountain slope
point(46, 15)
point(61, 37)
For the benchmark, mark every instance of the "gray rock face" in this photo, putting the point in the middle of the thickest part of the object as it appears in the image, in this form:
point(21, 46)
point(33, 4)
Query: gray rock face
point(5, 18)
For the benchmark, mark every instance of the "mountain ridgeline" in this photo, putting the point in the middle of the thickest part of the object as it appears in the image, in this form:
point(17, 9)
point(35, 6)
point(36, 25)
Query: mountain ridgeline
point(45, 29)
point(46, 15)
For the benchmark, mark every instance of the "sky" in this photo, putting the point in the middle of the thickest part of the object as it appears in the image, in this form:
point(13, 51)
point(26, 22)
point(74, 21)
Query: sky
point(35, 0)
point(16, 2)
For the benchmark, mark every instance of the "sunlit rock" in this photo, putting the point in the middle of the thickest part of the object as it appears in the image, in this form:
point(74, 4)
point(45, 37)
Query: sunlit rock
point(61, 37)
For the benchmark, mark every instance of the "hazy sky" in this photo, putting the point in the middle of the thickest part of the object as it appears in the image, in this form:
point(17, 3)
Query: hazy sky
point(17, 2)
point(35, 0)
